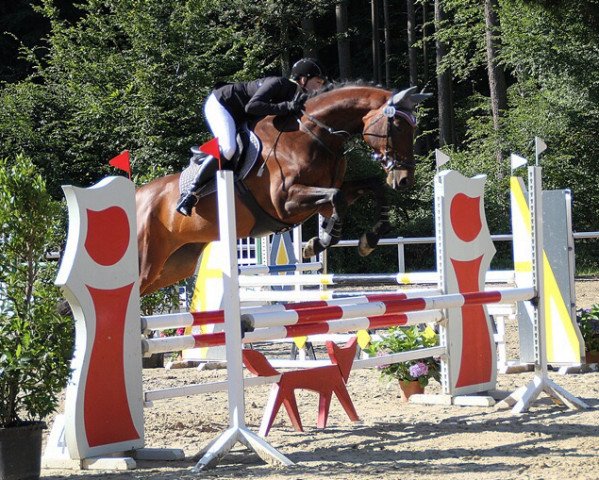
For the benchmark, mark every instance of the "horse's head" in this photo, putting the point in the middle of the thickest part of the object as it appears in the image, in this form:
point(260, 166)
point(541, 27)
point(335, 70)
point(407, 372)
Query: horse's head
point(389, 131)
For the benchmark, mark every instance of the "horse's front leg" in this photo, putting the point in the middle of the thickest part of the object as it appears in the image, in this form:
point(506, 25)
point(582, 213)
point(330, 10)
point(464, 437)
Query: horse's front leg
point(354, 189)
point(302, 198)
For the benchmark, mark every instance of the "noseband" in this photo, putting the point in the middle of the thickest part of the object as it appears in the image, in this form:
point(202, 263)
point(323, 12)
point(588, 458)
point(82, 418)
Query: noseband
point(387, 161)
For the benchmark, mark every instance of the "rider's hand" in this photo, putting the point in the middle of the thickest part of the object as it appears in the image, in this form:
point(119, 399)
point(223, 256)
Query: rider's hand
point(297, 104)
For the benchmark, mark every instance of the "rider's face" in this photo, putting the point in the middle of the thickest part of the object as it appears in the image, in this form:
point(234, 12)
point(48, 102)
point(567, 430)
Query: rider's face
point(313, 84)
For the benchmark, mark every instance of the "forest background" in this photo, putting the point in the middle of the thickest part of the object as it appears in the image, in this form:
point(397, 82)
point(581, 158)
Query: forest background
point(80, 81)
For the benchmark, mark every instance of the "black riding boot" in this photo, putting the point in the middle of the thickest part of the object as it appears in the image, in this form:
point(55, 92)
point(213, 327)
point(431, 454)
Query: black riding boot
point(189, 198)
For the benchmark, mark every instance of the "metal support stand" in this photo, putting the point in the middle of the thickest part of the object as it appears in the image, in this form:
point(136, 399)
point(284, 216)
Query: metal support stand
point(523, 397)
point(237, 431)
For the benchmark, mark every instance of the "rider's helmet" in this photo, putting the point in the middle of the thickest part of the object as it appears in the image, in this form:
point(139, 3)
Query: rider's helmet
point(307, 67)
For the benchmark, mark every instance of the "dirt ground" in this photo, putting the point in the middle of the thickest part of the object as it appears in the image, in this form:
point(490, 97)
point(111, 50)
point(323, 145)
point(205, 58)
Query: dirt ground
point(394, 440)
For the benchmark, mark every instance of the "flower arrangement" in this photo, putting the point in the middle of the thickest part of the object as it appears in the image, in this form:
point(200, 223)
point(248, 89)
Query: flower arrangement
point(402, 339)
point(588, 322)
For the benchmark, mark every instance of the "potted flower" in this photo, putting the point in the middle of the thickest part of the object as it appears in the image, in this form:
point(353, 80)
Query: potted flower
point(35, 341)
point(413, 375)
point(588, 322)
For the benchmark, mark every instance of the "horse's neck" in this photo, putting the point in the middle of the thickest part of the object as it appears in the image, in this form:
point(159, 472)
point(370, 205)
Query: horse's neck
point(345, 109)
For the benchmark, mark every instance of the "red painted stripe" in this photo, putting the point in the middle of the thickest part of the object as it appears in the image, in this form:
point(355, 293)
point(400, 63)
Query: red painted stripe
point(478, 298)
point(385, 321)
point(209, 339)
point(477, 355)
point(208, 318)
point(407, 305)
point(306, 329)
point(305, 305)
point(320, 314)
point(105, 382)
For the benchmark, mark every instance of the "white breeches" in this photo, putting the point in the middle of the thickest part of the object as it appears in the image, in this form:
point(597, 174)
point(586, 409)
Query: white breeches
point(222, 125)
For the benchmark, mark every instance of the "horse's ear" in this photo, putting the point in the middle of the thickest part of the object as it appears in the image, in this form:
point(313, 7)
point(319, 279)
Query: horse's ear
point(407, 99)
point(399, 98)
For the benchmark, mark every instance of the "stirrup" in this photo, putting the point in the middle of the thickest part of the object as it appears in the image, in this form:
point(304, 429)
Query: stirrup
point(186, 203)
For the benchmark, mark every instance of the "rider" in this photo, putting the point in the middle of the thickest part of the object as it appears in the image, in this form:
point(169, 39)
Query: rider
point(231, 104)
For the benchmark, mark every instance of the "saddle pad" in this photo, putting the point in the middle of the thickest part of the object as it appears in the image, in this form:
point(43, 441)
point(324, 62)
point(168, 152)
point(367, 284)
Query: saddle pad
point(250, 147)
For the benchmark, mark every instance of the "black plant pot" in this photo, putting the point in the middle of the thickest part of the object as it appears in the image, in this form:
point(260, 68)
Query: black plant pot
point(21, 451)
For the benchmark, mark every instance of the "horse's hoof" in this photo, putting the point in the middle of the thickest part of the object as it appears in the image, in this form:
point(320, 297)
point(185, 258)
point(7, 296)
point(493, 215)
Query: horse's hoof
point(312, 248)
point(364, 246)
point(308, 250)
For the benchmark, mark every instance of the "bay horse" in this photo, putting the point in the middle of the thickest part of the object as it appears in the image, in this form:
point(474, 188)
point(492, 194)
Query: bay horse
point(300, 173)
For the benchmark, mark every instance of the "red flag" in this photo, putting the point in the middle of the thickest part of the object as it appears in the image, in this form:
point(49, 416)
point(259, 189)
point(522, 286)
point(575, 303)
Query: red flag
point(211, 148)
point(123, 162)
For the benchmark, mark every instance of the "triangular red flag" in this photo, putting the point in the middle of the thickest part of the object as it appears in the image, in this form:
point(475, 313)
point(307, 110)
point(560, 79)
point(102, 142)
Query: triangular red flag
point(123, 162)
point(211, 148)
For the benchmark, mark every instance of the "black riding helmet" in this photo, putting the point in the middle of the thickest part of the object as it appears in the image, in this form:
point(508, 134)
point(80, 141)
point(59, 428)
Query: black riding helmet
point(307, 67)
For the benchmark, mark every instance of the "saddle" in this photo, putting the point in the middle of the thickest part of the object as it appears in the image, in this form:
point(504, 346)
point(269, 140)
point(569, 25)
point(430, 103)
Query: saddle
point(248, 151)
point(249, 148)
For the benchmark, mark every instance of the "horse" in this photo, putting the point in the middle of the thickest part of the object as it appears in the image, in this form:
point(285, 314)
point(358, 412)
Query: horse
point(300, 173)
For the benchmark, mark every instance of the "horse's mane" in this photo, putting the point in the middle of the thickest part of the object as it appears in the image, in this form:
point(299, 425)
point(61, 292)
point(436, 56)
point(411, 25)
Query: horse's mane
point(335, 85)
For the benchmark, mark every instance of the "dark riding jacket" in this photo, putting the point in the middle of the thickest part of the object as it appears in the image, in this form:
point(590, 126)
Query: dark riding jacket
point(258, 98)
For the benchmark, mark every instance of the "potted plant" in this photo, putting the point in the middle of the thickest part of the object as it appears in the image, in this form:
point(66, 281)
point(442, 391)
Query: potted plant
point(35, 341)
point(588, 322)
point(413, 375)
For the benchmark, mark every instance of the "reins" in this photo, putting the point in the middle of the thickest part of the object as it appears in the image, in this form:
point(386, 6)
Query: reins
point(322, 125)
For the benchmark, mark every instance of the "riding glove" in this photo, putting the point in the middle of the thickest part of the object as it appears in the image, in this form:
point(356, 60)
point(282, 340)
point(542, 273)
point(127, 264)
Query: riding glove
point(297, 104)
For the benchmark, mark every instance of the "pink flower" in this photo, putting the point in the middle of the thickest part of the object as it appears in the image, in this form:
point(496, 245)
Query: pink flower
point(419, 369)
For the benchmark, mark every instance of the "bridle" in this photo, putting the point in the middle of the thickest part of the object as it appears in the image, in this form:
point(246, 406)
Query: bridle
point(387, 161)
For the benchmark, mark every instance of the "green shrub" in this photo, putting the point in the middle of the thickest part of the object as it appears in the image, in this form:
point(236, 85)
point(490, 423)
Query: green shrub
point(35, 341)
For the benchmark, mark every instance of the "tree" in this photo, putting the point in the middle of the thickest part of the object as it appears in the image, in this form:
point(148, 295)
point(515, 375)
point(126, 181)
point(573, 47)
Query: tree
point(411, 31)
point(497, 86)
point(343, 47)
point(376, 42)
point(444, 89)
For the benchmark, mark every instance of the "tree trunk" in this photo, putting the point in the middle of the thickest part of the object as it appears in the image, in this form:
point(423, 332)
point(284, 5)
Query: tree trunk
point(284, 55)
point(443, 85)
point(387, 43)
point(412, 53)
point(497, 87)
point(308, 27)
point(342, 40)
point(376, 41)
point(424, 41)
